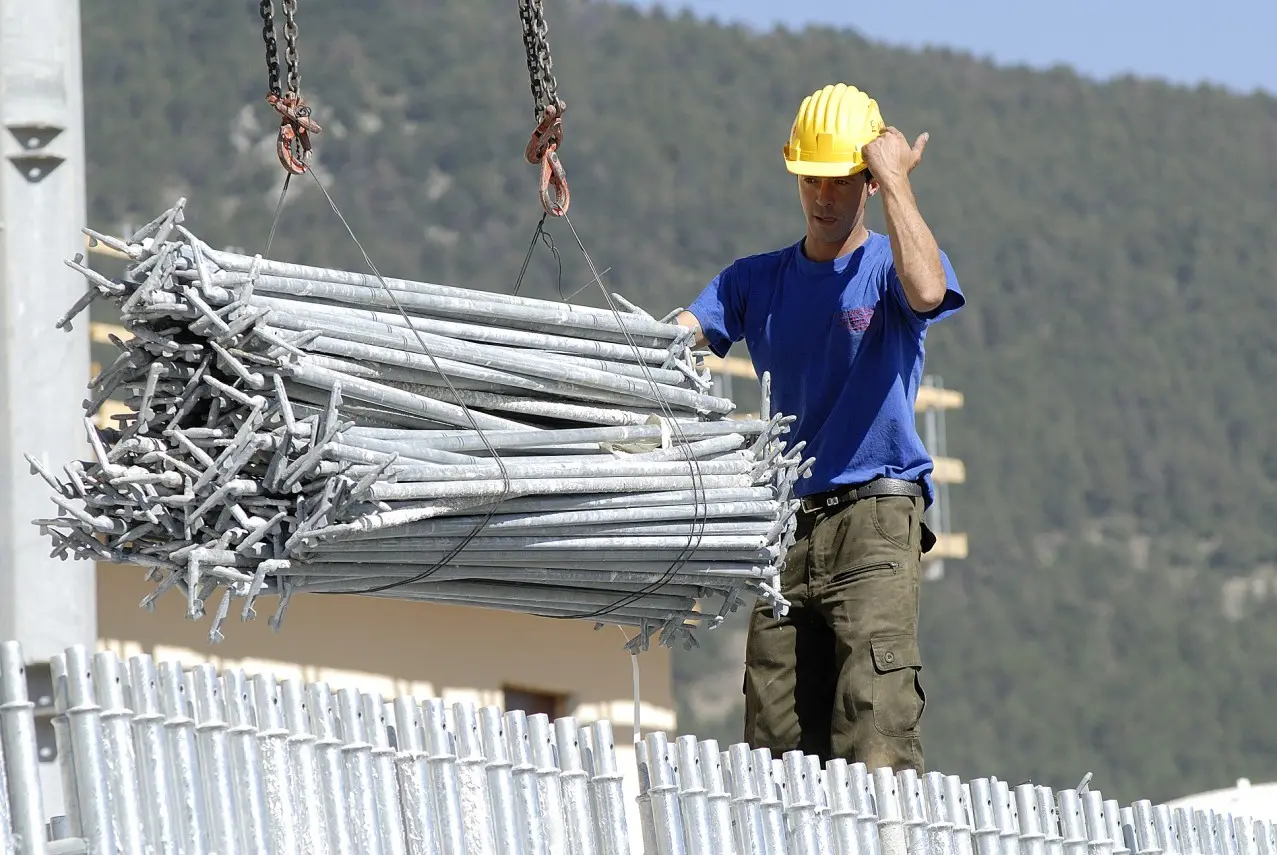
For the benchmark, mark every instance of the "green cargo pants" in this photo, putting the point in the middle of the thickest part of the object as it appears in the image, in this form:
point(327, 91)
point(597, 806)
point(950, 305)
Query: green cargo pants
point(838, 676)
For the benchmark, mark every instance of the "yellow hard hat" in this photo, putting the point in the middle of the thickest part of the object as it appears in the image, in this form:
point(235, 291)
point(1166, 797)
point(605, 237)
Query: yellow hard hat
point(832, 125)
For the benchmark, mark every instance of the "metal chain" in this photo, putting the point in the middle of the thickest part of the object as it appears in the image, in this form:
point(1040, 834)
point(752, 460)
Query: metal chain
point(540, 65)
point(272, 47)
point(290, 44)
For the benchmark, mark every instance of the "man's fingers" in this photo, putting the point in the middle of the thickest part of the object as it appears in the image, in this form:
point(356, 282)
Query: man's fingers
point(918, 145)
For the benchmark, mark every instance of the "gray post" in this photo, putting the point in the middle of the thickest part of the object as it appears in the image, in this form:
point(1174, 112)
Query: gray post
point(45, 604)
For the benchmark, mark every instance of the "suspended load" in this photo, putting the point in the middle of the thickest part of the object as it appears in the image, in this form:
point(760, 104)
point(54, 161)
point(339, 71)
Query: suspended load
point(294, 429)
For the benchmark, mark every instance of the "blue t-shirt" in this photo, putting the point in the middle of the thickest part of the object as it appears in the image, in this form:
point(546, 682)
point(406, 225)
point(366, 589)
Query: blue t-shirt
point(845, 352)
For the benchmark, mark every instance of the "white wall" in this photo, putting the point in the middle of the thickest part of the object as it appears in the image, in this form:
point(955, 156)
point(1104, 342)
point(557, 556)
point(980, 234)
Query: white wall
point(1256, 801)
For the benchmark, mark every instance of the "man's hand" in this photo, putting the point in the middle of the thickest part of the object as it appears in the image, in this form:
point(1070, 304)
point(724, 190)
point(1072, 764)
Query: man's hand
point(890, 156)
point(688, 320)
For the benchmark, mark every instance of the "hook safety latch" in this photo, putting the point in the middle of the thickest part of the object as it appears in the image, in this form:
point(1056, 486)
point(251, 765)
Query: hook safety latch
point(543, 149)
point(295, 128)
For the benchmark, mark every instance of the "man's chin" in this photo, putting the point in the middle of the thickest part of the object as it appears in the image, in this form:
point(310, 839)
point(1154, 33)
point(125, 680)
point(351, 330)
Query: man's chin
point(828, 234)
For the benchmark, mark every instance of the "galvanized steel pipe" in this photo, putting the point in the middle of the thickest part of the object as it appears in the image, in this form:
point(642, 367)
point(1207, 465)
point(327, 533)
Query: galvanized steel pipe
point(486, 781)
point(286, 417)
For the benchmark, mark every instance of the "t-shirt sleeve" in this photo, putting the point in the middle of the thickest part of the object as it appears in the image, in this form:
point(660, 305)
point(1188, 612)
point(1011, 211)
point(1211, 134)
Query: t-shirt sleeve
point(720, 309)
point(953, 300)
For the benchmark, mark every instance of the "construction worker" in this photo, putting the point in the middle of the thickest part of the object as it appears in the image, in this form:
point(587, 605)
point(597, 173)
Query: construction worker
point(839, 318)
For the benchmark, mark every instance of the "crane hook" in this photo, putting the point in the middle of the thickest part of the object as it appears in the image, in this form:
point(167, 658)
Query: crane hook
point(543, 149)
point(293, 144)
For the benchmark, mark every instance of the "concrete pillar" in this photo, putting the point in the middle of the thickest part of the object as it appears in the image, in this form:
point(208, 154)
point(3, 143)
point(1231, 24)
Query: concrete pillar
point(46, 604)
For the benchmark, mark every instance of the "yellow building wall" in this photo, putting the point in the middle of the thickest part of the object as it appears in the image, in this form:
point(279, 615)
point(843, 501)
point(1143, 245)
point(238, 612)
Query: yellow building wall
point(397, 647)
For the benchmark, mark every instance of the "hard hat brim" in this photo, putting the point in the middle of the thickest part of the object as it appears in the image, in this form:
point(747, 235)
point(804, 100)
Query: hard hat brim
point(816, 169)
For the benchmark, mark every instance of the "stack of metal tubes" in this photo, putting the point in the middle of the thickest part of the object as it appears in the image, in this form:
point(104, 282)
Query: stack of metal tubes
point(159, 757)
point(295, 429)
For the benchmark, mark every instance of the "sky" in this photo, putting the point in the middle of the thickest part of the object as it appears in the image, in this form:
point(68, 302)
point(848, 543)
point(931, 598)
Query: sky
point(1234, 45)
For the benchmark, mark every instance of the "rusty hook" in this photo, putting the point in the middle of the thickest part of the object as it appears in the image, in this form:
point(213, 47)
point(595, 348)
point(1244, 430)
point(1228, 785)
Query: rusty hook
point(552, 175)
point(542, 148)
point(295, 127)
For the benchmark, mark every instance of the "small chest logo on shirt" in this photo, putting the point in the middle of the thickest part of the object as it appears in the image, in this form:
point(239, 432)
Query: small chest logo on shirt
point(856, 320)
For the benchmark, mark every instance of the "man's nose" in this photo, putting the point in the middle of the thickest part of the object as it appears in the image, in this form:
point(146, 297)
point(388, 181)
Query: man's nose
point(825, 193)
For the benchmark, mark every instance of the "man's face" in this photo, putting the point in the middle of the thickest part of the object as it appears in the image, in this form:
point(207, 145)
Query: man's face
point(834, 206)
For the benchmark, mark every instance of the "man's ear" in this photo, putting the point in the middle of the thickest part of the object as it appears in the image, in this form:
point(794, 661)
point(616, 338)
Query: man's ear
point(873, 187)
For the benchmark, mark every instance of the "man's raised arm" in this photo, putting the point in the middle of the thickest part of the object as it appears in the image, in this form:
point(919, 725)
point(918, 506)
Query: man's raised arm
point(913, 246)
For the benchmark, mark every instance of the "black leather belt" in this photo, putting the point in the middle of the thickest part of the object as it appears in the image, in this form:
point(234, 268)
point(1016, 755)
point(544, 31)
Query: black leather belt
point(847, 495)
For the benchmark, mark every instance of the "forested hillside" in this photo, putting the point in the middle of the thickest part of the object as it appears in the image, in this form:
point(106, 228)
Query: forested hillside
point(1117, 242)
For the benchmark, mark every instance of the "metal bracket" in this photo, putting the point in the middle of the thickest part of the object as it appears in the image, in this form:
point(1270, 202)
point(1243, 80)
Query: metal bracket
point(34, 162)
point(36, 167)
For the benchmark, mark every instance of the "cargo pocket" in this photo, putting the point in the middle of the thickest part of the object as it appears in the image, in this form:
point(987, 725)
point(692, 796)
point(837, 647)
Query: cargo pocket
point(898, 698)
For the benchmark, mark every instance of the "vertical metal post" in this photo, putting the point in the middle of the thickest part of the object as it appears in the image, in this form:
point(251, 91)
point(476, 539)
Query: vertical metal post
point(45, 604)
point(18, 765)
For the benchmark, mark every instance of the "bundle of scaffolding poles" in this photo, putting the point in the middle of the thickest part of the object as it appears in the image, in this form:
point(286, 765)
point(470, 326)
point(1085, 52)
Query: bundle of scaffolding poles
point(292, 429)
